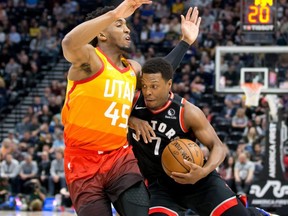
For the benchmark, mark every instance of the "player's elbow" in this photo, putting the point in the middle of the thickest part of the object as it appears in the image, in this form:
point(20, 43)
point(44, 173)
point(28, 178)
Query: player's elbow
point(67, 43)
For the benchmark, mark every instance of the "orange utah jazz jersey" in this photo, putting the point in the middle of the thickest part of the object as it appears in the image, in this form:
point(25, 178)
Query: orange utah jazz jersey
point(96, 110)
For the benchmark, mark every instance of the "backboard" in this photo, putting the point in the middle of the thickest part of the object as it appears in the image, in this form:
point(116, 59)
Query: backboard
point(236, 65)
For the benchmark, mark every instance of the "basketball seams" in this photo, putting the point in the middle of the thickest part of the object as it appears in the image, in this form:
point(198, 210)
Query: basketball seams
point(177, 159)
point(186, 146)
point(174, 153)
point(200, 157)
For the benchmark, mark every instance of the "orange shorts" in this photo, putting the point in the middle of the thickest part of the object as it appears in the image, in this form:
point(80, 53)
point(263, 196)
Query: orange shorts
point(91, 176)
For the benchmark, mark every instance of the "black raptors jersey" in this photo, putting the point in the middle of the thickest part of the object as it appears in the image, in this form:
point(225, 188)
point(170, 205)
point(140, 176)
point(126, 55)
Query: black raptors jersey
point(167, 124)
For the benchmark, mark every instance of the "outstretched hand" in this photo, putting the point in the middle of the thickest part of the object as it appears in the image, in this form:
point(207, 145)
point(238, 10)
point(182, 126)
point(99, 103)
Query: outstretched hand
point(194, 175)
point(190, 25)
point(127, 7)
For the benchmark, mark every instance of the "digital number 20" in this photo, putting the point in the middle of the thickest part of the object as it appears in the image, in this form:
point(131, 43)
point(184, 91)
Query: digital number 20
point(261, 14)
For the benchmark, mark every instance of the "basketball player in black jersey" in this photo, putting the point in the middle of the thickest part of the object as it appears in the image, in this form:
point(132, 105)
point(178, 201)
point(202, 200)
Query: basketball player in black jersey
point(165, 116)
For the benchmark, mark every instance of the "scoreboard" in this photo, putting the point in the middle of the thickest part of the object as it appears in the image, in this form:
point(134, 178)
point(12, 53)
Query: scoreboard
point(258, 15)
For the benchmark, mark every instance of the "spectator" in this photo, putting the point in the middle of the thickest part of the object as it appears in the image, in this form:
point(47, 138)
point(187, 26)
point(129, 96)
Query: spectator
point(259, 123)
point(22, 127)
point(5, 191)
point(231, 76)
point(197, 87)
point(57, 176)
point(244, 173)
point(70, 7)
point(3, 94)
point(45, 116)
point(257, 157)
point(226, 171)
point(13, 137)
point(239, 120)
point(12, 67)
point(7, 147)
point(15, 87)
point(14, 36)
point(58, 141)
point(3, 13)
point(37, 195)
point(10, 170)
point(139, 57)
point(250, 135)
point(177, 7)
point(235, 99)
point(28, 170)
point(37, 105)
point(44, 169)
point(229, 110)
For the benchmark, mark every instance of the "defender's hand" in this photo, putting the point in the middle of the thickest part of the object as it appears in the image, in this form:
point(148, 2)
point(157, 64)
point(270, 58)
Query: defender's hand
point(127, 7)
point(190, 25)
point(195, 174)
point(142, 128)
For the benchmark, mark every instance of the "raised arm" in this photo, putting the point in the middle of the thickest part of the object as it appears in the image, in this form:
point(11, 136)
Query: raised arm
point(75, 44)
point(190, 29)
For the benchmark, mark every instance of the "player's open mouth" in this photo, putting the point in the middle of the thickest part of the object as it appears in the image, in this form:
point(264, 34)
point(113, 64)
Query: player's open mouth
point(128, 38)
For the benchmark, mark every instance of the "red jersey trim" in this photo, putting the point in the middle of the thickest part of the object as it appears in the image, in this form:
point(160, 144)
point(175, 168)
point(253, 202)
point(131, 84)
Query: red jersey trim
point(117, 68)
point(68, 95)
point(161, 209)
point(224, 206)
point(181, 118)
point(100, 71)
point(165, 106)
point(75, 83)
point(136, 97)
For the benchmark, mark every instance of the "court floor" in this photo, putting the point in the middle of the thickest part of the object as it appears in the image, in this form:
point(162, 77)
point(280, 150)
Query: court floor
point(23, 213)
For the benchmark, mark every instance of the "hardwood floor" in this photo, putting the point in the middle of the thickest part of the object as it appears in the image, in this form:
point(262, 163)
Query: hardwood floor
point(22, 213)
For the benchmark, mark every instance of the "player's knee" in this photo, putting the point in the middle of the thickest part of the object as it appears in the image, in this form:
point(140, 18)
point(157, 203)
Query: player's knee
point(134, 201)
point(137, 195)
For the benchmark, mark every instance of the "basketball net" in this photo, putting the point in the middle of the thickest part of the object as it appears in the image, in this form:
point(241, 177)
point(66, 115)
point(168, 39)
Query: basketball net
point(252, 92)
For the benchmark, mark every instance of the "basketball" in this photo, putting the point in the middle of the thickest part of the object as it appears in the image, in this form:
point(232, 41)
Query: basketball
point(175, 152)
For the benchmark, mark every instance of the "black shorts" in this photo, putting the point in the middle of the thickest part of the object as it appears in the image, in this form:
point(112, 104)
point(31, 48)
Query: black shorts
point(204, 197)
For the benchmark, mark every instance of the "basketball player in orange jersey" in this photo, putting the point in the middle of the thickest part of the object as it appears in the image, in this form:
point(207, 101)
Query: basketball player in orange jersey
point(159, 111)
point(100, 167)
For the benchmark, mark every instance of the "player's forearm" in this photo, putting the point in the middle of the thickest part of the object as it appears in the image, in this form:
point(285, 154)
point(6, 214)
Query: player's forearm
point(85, 32)
point(216, 157)
point(176, 55)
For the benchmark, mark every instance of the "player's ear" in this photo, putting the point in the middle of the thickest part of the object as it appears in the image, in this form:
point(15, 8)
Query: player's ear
point(101, 36)
point(170, 83)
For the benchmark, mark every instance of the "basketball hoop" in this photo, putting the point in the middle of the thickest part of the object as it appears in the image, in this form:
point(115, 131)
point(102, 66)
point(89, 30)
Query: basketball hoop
point(252, 92)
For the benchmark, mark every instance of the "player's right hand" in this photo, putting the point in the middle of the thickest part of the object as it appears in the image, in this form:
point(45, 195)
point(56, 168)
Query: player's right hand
point(194, 175)
point(127, 7)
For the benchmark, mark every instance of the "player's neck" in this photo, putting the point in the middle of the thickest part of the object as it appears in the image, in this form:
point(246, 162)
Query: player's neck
point(114, 55)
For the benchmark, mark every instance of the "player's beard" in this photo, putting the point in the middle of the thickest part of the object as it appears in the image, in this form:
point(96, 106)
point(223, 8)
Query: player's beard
point(126, 50)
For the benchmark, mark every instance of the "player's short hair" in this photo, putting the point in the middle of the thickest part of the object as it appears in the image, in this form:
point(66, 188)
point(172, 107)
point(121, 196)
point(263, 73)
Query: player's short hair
point(158, 65)
point(96, 13)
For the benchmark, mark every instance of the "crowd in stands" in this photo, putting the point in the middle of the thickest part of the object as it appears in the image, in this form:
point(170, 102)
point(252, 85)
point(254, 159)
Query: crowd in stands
point(32, 154)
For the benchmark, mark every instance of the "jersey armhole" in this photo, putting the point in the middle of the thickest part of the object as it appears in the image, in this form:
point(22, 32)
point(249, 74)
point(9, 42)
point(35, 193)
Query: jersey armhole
point(181, 116)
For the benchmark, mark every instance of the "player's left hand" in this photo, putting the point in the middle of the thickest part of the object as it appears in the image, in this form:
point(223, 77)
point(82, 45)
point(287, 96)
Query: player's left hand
point(190, 25)
point(142, 128)
point(195, 174)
